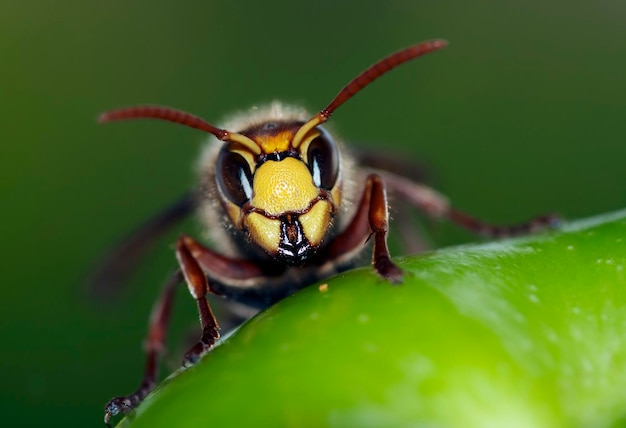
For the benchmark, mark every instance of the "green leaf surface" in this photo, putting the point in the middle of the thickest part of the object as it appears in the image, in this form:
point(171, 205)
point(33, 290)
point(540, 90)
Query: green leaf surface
point(516, 333)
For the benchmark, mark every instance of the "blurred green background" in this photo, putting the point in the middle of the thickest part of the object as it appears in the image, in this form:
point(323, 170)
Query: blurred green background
point(522, 114)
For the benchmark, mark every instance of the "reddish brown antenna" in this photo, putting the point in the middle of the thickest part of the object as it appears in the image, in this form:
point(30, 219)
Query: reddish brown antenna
point(177, 116)
point(365, 78)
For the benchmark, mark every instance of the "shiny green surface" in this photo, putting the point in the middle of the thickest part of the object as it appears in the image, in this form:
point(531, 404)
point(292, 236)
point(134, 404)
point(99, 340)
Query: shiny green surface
point(520, 333)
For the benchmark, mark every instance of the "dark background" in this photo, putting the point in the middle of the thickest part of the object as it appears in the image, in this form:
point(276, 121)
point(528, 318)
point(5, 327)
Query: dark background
point(522, 114)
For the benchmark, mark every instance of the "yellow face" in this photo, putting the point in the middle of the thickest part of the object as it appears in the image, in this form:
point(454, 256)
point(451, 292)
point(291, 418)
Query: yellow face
point(286, 196)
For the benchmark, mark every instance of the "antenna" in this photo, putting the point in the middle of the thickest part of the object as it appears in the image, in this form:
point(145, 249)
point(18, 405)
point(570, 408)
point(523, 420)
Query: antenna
point(365, 78)
point(178, 116)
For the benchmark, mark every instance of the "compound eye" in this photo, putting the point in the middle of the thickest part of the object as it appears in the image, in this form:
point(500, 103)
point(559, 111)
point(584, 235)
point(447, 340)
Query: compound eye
point(233, 177)
point(323, 161)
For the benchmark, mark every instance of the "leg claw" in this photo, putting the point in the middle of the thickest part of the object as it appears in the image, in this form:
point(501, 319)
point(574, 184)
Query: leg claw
point(116, 406)
point(388, 270)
